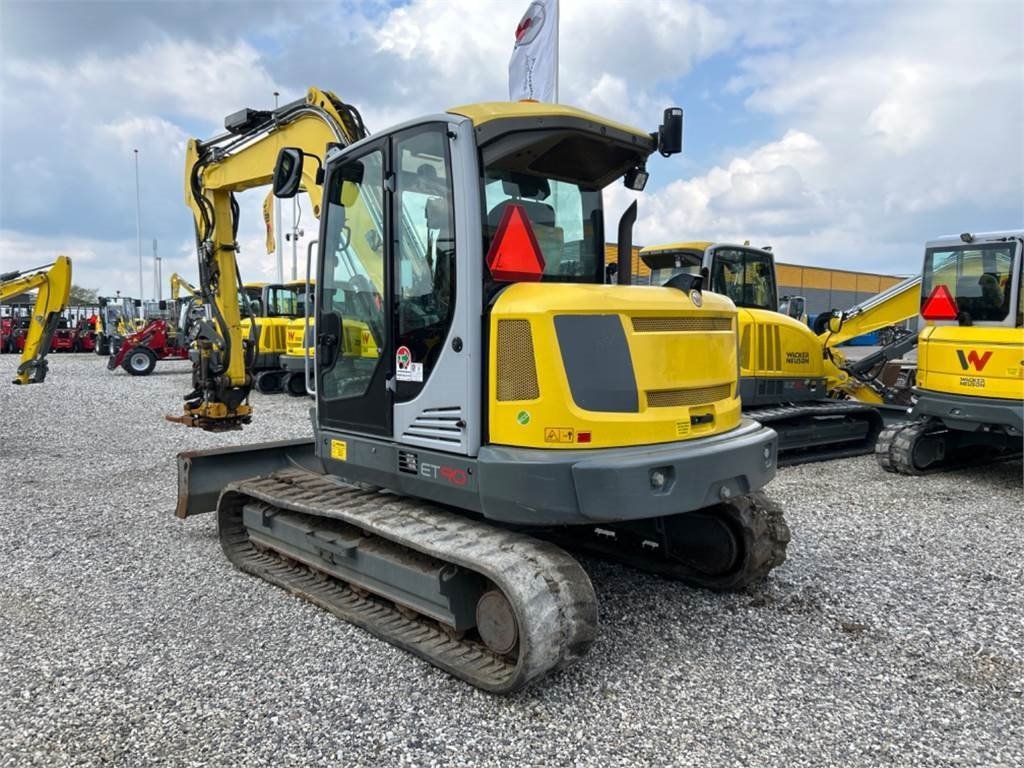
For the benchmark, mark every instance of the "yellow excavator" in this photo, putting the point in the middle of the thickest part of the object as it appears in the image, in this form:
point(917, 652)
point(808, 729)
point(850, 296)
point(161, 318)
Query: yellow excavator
point(798, 382)
point(52, 284)
point(299, 341)
point(970, 358)
point(507, 398)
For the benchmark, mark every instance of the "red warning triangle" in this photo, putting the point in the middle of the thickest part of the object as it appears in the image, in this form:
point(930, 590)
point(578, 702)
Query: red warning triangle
point(940, 305)
point(514, 255)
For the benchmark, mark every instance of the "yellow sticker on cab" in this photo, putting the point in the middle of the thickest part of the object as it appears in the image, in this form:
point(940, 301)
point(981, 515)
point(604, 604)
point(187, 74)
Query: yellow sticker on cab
point(339, 450)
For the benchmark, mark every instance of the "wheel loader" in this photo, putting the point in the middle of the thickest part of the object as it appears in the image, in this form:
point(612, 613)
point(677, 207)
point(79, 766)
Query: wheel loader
point(970, 358)
point(505, 397)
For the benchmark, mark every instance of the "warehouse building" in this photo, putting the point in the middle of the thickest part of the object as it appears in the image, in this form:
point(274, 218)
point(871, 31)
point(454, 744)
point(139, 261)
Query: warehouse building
point(822, 287)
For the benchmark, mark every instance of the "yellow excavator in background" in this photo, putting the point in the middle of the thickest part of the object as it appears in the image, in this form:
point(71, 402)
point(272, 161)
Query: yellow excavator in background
point(800, 383)
point(970, 358)
point(52, 284)
point(506, 398)
point(299, 341)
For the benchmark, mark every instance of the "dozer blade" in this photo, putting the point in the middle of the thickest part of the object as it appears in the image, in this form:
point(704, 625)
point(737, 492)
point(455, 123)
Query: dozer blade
point(202, 475)
point(493, 607)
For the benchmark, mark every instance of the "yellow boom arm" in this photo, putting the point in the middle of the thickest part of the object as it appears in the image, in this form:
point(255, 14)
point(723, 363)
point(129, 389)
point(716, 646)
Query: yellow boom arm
point(892, 306)
point(243, 158)
point(178, 284)
point(53, 283)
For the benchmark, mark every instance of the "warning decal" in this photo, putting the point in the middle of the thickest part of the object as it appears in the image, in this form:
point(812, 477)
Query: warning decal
point(559, 434)
point(405, 368)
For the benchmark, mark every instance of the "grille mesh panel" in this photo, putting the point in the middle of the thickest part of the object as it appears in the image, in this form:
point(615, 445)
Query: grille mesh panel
point(517, 369)
point(666, 398)
point(681, 323)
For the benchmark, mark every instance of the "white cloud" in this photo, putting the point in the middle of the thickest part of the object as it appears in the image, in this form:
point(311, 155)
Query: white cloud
point(887, 139)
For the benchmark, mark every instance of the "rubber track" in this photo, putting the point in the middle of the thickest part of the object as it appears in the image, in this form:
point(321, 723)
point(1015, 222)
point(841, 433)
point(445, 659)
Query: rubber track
point(772, 416)
point(551, 594)
point(757, 520)
point(894, 451)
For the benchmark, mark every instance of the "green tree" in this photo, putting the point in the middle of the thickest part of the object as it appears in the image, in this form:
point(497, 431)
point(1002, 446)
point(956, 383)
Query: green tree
point(82, 297)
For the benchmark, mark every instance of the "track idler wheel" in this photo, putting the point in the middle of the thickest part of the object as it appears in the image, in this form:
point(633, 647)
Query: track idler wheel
point(294, 384)
point(269, 382)
point(730, 545)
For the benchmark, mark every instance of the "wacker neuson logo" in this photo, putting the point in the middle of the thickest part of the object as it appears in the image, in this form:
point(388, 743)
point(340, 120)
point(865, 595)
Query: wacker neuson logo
point(972, 358)
point(798, 358)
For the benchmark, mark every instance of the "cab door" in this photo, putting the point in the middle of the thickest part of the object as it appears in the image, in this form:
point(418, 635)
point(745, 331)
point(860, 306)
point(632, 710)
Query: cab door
point(353, 327)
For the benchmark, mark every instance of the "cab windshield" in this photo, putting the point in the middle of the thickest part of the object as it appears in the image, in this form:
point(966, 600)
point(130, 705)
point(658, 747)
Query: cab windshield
point(979, 277)
point(746, 277)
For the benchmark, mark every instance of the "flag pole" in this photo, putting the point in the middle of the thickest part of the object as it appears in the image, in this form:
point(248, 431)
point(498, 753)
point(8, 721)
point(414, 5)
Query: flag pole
point(558, 33)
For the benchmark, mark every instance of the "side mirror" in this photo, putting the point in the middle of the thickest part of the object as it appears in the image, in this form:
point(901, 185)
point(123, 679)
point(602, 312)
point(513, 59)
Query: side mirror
point(670, 132)
point(288, 172)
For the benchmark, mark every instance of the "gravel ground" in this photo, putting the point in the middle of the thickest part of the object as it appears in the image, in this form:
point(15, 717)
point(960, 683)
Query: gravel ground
point(891, 636)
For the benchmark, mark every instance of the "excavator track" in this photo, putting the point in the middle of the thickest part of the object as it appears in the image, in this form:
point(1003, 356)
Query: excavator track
point(821, 430)
point(746, 537)
point(925, 447)
point(550, 598)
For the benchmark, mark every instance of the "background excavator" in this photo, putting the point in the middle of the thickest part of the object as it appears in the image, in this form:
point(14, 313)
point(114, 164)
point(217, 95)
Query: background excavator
point(504, 396)
point(52, 284)
point(970, 358)
point(274, 311)
point(799, 382)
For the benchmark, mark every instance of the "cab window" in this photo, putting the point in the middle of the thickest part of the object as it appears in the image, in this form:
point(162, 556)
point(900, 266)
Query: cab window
point(745, 277)
point(425, 255)
point(977, 276)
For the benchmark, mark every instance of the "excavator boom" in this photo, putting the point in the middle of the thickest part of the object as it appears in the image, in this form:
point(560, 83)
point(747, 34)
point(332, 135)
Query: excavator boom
point(243, 158)
point(53, 286)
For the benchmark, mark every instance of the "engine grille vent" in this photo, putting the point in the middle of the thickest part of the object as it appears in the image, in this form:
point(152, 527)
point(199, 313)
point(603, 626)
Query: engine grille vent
point(517, 369)
point(681, 323)
point(769, 349)
point(667, 398)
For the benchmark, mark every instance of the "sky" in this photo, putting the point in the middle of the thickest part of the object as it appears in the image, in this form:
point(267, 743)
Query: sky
point(840, 133)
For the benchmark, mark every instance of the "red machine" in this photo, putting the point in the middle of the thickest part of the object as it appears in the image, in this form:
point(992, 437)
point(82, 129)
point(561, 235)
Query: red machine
point(140, 350)
point(63, 339)
point(16, 335)
point(85, 334)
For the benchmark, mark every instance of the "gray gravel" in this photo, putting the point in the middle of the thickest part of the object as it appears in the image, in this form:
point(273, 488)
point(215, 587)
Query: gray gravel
point(894, 634)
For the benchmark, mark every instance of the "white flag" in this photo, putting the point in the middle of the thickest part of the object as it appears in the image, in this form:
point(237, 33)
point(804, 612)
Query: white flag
point(533, 70)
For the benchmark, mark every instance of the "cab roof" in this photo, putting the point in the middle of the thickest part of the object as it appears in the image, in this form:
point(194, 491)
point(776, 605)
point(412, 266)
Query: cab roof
point(536, 111)
point(696, 245)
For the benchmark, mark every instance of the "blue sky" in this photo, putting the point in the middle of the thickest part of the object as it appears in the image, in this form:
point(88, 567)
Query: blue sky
point(842, 133)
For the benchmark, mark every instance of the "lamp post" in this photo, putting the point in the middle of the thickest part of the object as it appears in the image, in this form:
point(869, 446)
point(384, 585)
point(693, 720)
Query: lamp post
point(278, 245)
point(157, 276)
point(138, 220)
